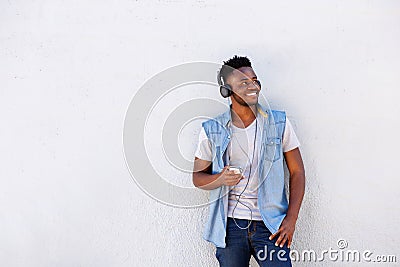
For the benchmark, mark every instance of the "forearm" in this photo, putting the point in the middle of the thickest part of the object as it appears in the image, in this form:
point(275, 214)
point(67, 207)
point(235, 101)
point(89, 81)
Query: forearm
point(206, 181)
point(296, 189)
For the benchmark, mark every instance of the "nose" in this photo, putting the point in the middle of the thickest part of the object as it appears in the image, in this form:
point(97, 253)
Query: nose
point(256, 84)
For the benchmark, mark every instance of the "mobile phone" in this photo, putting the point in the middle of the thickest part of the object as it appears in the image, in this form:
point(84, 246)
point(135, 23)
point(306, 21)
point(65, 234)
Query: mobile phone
point(235, 169)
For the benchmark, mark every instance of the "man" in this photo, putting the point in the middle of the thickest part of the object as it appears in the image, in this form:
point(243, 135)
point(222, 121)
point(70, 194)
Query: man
point(249, 211)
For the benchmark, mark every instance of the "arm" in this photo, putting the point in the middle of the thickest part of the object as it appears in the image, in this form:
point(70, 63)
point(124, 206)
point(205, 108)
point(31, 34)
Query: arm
point(296, 189)
point(202, 177)
point(296, 182)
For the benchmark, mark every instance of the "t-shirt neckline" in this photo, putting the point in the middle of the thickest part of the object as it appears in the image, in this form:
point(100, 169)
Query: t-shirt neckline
point(247, 128)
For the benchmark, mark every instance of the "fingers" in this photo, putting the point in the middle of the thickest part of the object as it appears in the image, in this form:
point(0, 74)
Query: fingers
point(225, 169)
point(229, 177)
point(281, 240)
point(233, 179)
point(238, 178)
point(231, 174)
point(274, 235)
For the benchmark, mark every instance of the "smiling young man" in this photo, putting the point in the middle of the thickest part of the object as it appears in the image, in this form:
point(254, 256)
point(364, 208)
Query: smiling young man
point(240, 159)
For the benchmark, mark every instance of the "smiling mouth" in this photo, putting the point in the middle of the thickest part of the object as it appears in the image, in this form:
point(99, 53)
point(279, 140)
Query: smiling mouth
point(251, 94)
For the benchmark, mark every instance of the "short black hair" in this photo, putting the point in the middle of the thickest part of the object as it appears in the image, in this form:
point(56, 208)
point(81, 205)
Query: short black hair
point(233, 63)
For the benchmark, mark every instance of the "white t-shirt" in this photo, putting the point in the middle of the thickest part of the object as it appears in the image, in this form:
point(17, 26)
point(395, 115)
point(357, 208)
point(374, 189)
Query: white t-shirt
point(240, 153)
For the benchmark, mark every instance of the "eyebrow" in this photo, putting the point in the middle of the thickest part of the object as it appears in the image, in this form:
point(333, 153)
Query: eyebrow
point(248, 78)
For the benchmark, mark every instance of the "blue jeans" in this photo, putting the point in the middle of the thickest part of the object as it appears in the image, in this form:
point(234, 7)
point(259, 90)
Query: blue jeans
point(241, 244)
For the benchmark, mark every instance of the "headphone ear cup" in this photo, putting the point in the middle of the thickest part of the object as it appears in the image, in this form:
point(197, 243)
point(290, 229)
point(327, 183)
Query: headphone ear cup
point(225, 90)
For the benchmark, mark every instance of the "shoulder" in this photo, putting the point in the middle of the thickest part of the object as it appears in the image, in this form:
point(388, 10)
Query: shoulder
point(218, 121)
point(279, 116)
point(211, 121)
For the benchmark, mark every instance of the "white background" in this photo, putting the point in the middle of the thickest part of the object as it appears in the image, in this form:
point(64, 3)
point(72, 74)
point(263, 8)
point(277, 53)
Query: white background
point(70, 68)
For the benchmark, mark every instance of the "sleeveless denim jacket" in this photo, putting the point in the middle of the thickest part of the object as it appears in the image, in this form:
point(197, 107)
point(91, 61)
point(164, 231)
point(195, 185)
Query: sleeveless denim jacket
point(272, 199)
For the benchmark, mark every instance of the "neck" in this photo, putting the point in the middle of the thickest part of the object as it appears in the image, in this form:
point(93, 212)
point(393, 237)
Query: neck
point(243, 114)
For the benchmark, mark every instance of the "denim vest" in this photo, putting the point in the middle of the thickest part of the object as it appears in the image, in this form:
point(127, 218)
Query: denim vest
point(272, 200)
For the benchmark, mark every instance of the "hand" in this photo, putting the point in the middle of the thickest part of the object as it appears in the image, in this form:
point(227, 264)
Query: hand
point(285, 232)
point(228, 177)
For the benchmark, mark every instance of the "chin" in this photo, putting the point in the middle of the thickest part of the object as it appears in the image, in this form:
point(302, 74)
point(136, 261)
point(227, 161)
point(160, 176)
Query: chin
point(244, 102)
point(252, 103)
point(248, 104)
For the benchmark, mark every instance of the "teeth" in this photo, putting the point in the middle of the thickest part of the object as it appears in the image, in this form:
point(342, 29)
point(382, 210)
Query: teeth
point(251, 94)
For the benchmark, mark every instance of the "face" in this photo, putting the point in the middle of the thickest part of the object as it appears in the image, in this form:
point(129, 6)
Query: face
point(245, 89)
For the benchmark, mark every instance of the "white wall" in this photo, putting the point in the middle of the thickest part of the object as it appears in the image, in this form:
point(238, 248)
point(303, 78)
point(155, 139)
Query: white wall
point(70, 68)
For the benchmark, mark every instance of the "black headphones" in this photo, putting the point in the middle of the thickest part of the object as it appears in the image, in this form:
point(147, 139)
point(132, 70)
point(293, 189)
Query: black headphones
point(226, 89)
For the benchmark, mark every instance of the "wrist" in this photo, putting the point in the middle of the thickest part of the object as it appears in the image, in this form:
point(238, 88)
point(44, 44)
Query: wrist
point(218, 181)
point(291, 217)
